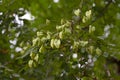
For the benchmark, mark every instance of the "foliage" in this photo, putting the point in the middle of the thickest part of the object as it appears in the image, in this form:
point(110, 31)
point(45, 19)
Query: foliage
point(64, 40)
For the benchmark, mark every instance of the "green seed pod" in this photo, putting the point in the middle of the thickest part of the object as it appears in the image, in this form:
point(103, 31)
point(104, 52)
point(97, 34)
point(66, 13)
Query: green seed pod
point(22, 52)
point(30, 63)
point(91, 49)
point(88, 14)
point(77, 12)
point(39, 34)
point(43, 39)
point(83, 43)
point(57, 43)
point(84, 19)
point(36, 57)
point(48, 35)
point(98, 51)
point(76, 44)
point(61, 35)
point(21, 44)
point(78, 27)
point(60, 27)
point(42, 49)
point(67, 30)
point(25, 47)
point(91, 29)
point(32, 55)
point(47, 21)
point(62, 21)
point(67, 24)
point(52, 43)
point(35, 41)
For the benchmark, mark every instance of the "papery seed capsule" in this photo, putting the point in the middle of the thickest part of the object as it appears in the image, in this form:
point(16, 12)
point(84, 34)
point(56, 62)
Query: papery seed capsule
point(35, 41)
point(32, 55)
point(83, 43)
point(36, 57)
point(39, 33)
point(91, 29)
point(30, 63)
point(88, 14)
point(42, 49)
point(62, 21)
point(57, 43)
point(43, 39)
point(61, 35)
point(77, 12)
point(52, 43)
point(98, 51)
point(91, 49)
point(47, 21)
point(67, 30)
point(68, 24)
point(84, 19)
point(48, 35)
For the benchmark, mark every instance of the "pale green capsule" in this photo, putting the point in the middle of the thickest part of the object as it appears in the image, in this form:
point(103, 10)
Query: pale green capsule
point(77, 12)
point(83, 43)
point(52, 43)
point(32, 55)
point(39, 33)
point(60, 27)
point(91, 29)
point(43, 39)
point(47, 21)
point(61, 35)
point(84, 19)
point(48, 35)
point(35, 41)
point(36, 57)
point(76, 44)
point(68, 24)
point(98, 51)
point(78, 27)
point(91, 49)
point(30, 63)
point(21, 44)
point(67, 30)
point(88, 14)
point(62, 21)
point(57, 43)
point(42, 49)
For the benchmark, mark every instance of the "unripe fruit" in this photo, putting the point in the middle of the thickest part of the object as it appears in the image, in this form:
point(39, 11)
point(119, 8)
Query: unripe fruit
point(57, 43)
point(36, 57)
point(61, 35)
point(77, 12)
point(30, 63)
point(32, 55)
point(52, 43)
point(42, 49)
